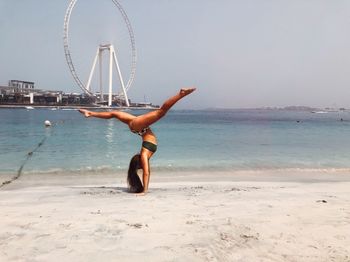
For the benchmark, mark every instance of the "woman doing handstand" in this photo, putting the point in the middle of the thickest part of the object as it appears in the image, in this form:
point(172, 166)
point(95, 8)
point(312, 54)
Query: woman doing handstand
point(141, 126)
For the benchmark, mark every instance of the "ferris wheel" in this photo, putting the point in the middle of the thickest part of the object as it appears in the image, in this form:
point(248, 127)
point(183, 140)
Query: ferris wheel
point(131, 39)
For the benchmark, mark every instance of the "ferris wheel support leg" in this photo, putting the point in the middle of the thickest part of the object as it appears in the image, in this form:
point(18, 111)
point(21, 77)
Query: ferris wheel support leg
point(121, 79)
point(110, 78)
point(101, 87)
point(92, 70)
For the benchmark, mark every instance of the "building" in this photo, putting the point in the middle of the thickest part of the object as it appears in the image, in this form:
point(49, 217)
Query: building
point(23, 92)
point(21, 84)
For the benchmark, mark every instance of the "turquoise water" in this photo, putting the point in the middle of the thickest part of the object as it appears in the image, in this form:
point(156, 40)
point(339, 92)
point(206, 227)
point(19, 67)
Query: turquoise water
point(188, 140)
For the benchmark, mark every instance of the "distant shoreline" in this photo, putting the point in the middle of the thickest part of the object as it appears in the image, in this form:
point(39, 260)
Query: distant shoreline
point(288, 108)
point(74, 107)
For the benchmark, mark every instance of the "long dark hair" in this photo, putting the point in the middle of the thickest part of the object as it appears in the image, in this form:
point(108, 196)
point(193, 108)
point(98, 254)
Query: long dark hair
point(134, 182)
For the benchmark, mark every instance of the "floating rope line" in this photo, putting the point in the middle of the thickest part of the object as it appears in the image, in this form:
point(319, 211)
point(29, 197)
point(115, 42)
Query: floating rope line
point(19, 172)
point(28, 157)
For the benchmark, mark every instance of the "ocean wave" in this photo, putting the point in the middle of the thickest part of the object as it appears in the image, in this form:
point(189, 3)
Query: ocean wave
point(108, 170)
point(88, 170)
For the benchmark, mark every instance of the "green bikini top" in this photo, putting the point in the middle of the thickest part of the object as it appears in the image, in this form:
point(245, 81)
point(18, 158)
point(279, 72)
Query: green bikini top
point(142, 132)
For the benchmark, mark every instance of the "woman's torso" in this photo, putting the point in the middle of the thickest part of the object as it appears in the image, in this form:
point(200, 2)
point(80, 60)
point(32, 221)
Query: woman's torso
point(149, 136)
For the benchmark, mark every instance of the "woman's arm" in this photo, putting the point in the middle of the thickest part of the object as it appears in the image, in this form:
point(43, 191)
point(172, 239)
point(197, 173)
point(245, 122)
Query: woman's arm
point(146, 172)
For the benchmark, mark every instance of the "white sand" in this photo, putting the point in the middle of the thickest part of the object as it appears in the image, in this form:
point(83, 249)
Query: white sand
point(214, 217)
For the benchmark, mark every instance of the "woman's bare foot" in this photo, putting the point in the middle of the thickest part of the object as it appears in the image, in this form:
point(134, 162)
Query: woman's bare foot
point(85, 112)
point(186, 91)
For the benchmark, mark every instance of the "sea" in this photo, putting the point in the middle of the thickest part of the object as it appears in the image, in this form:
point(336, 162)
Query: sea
point(191, 140)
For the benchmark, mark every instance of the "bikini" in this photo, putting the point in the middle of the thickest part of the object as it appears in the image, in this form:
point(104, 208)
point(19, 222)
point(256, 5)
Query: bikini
point(142, 132)
point(146, 144)
point(149, 146)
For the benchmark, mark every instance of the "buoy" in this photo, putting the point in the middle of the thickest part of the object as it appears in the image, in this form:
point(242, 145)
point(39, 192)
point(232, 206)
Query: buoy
point(47, 123)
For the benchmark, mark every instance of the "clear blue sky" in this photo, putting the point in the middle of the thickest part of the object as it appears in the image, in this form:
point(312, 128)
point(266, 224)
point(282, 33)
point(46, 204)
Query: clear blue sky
point(239, 53)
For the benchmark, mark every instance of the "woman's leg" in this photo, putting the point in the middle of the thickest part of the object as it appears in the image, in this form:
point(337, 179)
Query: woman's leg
point(148, 119)
point(122, 116)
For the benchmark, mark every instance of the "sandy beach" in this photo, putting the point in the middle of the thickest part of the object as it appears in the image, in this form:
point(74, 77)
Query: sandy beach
point(233, 216)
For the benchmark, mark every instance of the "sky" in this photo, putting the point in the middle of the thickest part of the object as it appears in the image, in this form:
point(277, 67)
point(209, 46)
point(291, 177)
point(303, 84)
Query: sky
point(238, 53)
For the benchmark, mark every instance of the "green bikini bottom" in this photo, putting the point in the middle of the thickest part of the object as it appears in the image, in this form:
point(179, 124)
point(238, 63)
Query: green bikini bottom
point(149, 146)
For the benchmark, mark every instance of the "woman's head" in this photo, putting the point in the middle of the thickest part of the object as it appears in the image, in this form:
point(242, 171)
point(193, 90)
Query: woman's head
point(135, 185)
point(135, 162)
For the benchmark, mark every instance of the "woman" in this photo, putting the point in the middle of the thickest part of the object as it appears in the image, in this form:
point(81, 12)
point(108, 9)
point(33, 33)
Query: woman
point(141, 125)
